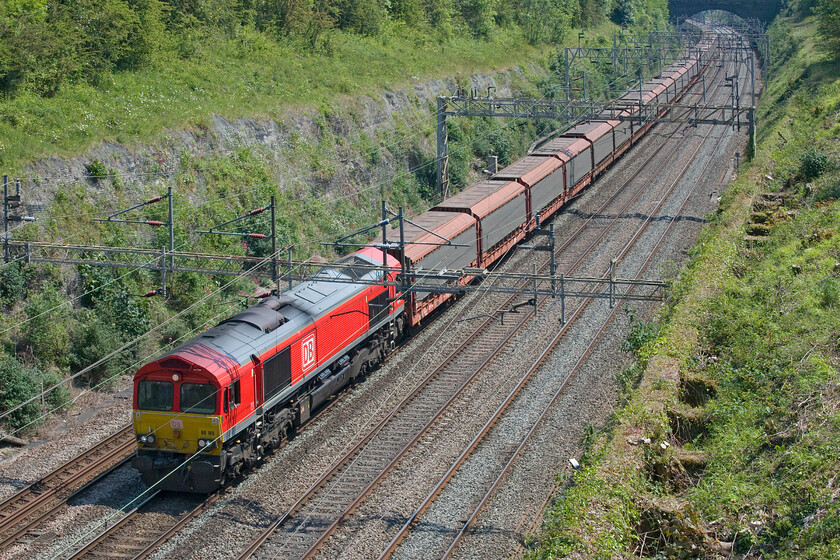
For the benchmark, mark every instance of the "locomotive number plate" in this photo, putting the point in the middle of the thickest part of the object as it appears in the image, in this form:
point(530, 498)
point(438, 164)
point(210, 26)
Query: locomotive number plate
point(176, 424)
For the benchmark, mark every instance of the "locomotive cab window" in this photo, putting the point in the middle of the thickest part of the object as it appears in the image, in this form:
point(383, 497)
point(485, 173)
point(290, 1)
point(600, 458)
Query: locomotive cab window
point(233, 396)
point(198, 398)
point(155, 395)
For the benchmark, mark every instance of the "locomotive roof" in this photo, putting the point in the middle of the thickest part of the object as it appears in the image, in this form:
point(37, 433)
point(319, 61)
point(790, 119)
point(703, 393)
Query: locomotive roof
point(265, 325)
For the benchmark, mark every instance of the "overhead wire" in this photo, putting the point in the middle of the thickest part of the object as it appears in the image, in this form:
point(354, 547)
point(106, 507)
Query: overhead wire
point(385, 400)
point(135, 340)
point(502, 125)
point(105, 381)
point(372, 187)
point(152, 488)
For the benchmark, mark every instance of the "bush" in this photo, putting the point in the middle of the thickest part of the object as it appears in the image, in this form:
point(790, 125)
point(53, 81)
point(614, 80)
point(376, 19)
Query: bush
point(19, 383)
point(97, 169)
point(828, 191)
point(829, 292)
point(46, 327)
point(641, 332)
point(812, 164)
point(828, 18)
point(12, 285)
point(92, 341)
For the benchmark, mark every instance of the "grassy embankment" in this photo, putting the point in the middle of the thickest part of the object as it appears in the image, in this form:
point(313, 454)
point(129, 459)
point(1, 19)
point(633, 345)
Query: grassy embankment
point(250, 76)
point(741, 370)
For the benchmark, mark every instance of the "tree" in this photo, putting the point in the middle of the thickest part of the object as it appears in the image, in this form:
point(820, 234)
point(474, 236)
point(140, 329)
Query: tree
point(408, 11)
point(362, 16)
point(479, 15)
point(39, 51)
point(592, 12)
point(439, 13)
point(546, 20)
point(828, 17)
point(624, 12)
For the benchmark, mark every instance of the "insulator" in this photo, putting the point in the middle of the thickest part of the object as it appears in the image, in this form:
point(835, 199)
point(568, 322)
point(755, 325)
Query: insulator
point(155, 199)
point(257, 211)
point(154, 223)
point(257, 235)
point(150, 293)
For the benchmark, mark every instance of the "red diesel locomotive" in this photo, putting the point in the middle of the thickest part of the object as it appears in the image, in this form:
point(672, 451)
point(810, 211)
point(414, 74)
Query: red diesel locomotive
point(213, 405)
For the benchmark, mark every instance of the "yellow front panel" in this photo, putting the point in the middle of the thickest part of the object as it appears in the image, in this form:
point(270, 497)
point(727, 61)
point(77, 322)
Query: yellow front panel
point(178, 432)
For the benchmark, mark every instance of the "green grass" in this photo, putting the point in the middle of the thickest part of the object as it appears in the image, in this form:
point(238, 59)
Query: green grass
point(247, 76)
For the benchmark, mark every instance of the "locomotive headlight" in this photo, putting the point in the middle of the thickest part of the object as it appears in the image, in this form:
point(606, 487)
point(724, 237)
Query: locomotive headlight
point(146, 438)
point(206, 444)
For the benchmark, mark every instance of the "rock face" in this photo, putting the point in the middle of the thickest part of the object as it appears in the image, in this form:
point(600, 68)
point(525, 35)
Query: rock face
point(326, 149)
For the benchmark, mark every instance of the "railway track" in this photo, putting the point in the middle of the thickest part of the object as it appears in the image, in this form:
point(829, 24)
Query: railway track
point(345, 484)
point(509, 463)
point(335, 495)
point(23, 513)
point(506, 459)
point(141, 529)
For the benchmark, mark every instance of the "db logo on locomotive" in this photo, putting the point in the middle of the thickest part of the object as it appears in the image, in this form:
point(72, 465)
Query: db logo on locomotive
point(307, 352)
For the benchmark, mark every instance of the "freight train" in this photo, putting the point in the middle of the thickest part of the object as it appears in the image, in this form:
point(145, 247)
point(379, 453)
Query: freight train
point(216, 404)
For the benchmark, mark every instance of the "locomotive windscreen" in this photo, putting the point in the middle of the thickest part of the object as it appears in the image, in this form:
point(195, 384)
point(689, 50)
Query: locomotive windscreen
point(277, 373)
